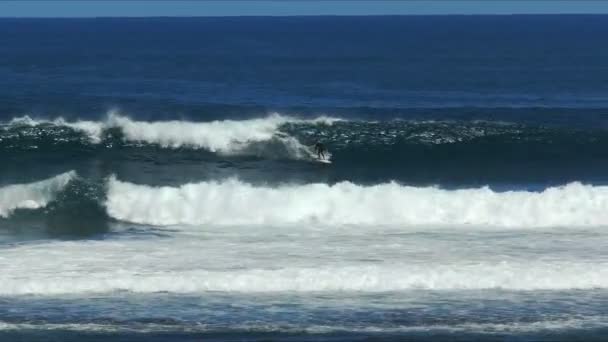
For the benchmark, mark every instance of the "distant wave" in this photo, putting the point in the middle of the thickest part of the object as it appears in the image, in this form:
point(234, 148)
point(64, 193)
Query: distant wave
point(33, 195)
point(233, 202)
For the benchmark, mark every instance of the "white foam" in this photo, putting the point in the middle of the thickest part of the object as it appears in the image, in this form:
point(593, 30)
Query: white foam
point(224, 136)
point(323, 119)
point(233, 202)
point(251, 260)
point(33, 195)
point(121, 276)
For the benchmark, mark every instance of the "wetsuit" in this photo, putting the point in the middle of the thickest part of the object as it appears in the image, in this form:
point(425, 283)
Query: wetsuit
point(320, 149)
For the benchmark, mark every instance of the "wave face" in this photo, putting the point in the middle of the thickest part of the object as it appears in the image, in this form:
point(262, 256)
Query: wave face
point(233, 202)
point(33, 195)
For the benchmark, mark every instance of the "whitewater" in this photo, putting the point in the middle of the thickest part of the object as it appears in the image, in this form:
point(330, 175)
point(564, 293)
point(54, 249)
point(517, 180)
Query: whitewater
point(340, 204)
point(158, 178)
point(346, 203)
point(313, 238)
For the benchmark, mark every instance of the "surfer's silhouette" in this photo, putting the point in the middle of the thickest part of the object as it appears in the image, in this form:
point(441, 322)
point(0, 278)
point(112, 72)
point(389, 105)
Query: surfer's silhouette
point(320, 150)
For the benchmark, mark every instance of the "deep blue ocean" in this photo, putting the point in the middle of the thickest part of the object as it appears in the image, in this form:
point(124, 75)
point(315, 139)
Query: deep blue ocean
point(158, 179)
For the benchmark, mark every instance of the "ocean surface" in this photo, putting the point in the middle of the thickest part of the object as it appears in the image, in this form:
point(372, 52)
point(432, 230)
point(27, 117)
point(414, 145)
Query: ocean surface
point(158, 181)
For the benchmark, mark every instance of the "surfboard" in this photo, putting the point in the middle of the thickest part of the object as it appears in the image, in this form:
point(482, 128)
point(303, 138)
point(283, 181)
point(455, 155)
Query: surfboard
point(326, 157)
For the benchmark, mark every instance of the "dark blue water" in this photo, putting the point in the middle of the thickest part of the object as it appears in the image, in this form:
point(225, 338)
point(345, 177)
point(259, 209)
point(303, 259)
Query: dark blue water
point(544, 75)
point(452, 102)
point(211, 67)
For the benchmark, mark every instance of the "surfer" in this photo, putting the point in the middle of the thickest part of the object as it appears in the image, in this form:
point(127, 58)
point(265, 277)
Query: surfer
point(320, 150)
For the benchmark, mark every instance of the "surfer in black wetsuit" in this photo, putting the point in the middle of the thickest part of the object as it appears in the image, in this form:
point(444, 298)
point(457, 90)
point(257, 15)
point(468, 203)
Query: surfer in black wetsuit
point(320, 150)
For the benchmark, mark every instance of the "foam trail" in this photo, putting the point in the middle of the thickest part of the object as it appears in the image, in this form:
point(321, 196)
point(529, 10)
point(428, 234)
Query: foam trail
point(233, 202)
point(32, 195)
point(358, 278)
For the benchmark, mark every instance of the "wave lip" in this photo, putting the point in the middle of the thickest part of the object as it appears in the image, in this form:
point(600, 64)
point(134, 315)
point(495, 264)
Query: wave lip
point(232, 202)
point(33, 195)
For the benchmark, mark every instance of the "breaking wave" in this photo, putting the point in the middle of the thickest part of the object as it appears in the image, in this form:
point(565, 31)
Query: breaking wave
point(33, 195)
point(423, 152)
point(233, 202)
point(222, 136)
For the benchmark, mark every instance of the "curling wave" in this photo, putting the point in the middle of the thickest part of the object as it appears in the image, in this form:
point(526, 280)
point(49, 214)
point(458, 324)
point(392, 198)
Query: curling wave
point(233, 202)
point(33, 195)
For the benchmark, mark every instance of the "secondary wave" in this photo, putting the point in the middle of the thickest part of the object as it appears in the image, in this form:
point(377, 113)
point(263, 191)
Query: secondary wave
point(33, 195)
point(233, 202)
